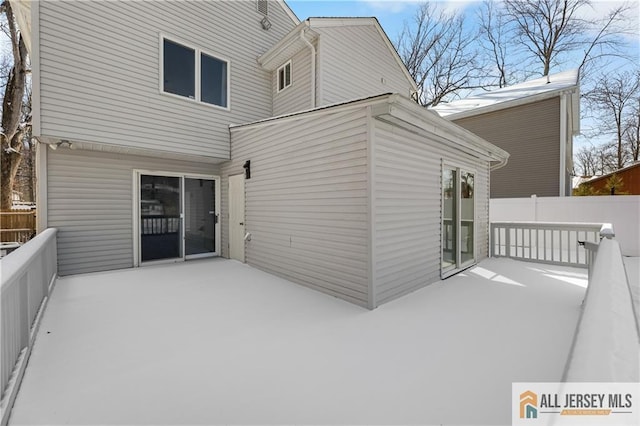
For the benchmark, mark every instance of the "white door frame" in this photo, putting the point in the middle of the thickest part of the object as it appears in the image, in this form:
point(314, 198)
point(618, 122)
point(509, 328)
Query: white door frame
point(459, 266)
point(137, 251)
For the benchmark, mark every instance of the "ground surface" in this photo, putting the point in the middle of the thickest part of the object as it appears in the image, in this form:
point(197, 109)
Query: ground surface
point(219, 342)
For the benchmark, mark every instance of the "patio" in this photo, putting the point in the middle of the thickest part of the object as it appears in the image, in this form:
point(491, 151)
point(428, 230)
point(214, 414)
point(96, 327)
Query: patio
point(216, 341)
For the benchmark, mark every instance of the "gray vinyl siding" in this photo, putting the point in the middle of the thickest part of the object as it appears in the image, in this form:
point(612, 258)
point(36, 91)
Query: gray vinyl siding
point(407, 208)
point(99, 79)
point(296, 97)
point(355, 60)
point(90, 201)
point(306, 201)
point(531, 134)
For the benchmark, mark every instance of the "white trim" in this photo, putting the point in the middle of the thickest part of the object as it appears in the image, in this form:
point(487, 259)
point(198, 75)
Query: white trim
point(217, 212)
point(563, 145)
point(137, 251)
point(198, 52)
point(283, 67)
point(136, 216)
point(36, 126)
point(371, 211)
point(289, 12)
point(459, 265)
point(320, 66)
point(41, 186)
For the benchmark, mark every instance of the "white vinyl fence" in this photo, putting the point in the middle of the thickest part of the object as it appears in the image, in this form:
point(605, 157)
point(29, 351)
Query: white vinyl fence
point(28, 275)
point(622, 211)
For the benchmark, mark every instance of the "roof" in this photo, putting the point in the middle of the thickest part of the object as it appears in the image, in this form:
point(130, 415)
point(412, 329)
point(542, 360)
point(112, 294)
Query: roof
point(616, 172)
point(506, 97)
point(288, 11)
point(293, 42)
point(402, 111)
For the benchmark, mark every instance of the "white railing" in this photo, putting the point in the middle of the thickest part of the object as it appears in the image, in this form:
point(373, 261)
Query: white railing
point(546, 242)
point(605, 345)
point(28, 275)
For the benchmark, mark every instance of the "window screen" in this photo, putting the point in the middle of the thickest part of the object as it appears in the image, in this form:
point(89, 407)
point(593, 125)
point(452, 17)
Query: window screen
point(179, 69)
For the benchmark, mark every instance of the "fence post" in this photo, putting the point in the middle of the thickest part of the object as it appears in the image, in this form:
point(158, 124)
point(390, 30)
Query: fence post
point(606, 231)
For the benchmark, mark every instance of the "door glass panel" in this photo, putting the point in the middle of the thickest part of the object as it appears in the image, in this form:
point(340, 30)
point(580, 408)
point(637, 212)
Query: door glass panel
point(200, 216)
point(466, 217)
point(160, 217)
point(449, 240)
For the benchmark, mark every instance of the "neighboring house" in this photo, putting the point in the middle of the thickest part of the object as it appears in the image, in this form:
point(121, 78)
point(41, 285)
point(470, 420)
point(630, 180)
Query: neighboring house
point(329, 183)
point(535, 122)
point(628, 178)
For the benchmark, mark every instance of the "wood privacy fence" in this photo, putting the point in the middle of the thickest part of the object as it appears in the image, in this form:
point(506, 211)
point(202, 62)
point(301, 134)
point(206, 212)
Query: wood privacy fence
point(17, 226)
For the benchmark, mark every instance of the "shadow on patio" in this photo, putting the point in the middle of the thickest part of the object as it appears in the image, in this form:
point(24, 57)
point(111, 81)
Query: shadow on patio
point(220, 342)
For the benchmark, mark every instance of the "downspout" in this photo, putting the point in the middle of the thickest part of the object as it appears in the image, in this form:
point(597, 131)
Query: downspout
point(313, 67)
point(500, 164)
point(563, 145)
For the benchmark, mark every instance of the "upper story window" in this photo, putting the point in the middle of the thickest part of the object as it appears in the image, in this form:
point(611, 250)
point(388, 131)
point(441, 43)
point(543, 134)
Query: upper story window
point(284, 76)
point(192, 73)
point(263, 6)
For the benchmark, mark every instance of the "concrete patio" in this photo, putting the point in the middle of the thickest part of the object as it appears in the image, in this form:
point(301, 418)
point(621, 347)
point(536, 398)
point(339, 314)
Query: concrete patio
point(218, 342)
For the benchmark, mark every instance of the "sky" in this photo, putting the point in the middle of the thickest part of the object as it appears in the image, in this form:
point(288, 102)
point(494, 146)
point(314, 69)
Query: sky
point(392, 15)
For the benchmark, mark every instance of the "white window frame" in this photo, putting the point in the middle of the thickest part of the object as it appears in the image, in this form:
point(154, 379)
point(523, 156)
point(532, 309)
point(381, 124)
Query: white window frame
point(459, 266)
point(283, 67)
point(198, 53)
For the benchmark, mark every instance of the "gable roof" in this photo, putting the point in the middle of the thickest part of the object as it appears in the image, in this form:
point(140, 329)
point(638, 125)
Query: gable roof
point(510, 96)
point(288, 11)
point(293, 42)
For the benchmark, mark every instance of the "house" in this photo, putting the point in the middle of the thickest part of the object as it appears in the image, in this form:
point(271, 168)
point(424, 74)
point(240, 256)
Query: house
point(232, 129)
point(535, 122)
point(628, 181)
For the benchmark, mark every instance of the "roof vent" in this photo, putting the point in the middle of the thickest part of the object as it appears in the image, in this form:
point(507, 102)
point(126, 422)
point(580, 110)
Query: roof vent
point(263, 6)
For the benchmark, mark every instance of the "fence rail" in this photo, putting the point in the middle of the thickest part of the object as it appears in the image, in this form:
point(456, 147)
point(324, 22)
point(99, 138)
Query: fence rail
point(605, 344)
point(28, 275)
point(160, 225)
point(17, 226)
point(546, 242)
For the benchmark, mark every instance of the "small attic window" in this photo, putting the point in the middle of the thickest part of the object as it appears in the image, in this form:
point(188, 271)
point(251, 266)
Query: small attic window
point(262, 6)
point(284, 76)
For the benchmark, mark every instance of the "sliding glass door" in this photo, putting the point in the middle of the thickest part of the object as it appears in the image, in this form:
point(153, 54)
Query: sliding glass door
point(200, 217)
point(178, 217)
point(458, 219)
point(160, 208)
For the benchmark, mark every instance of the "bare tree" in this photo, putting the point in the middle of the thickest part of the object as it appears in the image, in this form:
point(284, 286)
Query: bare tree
point(13, 127)
point(494, 33)
point(548, 29)
point(586, 161)
point(612, 96)
point(632, 129)
point(439, 54)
